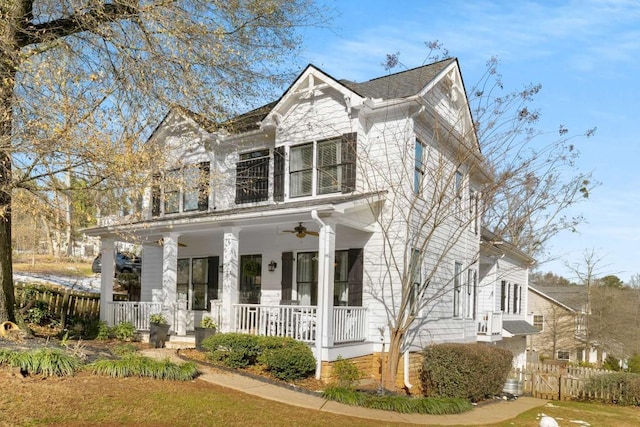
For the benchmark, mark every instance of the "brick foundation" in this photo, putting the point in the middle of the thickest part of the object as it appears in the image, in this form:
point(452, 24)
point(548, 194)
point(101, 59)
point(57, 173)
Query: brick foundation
point(371, 368)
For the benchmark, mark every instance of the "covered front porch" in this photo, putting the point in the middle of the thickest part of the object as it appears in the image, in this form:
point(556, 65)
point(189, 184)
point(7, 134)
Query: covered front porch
point(293, 272)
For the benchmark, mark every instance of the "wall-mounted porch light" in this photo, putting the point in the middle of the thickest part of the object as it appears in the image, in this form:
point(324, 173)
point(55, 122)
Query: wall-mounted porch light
point(272, 266)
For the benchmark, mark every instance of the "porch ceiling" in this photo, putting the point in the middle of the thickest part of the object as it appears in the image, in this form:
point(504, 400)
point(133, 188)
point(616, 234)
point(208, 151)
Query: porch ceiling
point(348, 211)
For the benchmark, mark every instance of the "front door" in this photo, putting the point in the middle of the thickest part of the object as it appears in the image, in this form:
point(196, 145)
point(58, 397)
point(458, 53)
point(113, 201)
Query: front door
point(250, 279)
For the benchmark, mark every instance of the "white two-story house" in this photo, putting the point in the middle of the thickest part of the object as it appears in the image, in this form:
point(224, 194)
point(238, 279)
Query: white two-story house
point(288, 220)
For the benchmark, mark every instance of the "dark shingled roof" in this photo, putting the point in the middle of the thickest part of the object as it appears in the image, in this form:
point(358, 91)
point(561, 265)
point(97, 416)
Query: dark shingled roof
point(400, 85)
point(519, 327)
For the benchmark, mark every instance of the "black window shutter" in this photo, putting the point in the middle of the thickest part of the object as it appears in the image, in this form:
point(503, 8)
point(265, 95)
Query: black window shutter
point(287, 275)
point(212, 285)
point(349, 155)
point(155, 196)
point(278, 174)
point(503, 296)
point(203, 186)
point(355, 277)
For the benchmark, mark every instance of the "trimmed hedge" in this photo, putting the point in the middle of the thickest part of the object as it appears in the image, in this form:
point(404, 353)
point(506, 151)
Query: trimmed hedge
point(285, 358)
point(233, 350)
point(469, 371)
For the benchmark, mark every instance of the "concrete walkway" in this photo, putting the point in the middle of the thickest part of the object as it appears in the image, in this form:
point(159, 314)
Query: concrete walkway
point(485, 414)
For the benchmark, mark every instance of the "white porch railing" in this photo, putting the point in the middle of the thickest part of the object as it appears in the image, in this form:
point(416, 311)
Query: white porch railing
point(490, 324)
point(295, 321)
point(137, 313)
point(299, 322)
point(349, 324)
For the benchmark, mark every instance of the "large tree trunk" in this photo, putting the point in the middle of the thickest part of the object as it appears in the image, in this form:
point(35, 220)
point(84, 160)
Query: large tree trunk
point(10, 14)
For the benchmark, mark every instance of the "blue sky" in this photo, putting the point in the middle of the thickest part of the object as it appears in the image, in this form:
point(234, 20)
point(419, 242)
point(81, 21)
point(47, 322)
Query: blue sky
point(586, 55)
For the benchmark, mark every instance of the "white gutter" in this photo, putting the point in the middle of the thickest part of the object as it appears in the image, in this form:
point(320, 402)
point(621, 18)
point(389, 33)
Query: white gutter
point(320, 314)
point(407, 384)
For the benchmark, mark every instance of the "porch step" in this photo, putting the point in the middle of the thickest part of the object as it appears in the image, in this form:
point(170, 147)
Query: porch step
point(177, 342)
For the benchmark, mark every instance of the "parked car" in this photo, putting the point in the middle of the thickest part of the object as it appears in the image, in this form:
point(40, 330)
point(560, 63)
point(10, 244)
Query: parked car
point(125, 263)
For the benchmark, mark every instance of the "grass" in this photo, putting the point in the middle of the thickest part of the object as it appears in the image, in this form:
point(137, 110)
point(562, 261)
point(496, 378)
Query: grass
point(50, 265)
point(595, 414)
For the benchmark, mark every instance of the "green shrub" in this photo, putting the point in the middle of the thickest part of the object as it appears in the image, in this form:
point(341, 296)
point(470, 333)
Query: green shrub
point(611, 363)
point(346, 373)
point(124, 331)
point(468, 371)
point(104, 332)
point(124, 349)
point(48, 362)
point(39, 314)
point(396, 403)
point(633, 364)
point(292, 361)
point(620, 388)
point(233, 350)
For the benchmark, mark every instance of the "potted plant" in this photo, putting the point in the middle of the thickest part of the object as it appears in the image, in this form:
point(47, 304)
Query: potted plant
point(206, 329)
point(158, 330)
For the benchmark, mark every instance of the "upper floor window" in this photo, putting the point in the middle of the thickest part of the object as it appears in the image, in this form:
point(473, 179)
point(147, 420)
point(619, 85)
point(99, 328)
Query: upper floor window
point(418, 174)
point(183, 190)
point(252, 177)
point(458, 191)
point(457, 287)
point(538, 321)
point(322, 167)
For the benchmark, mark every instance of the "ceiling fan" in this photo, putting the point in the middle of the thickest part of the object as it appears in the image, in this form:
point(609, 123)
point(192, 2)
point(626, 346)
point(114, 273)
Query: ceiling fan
point(301, 231)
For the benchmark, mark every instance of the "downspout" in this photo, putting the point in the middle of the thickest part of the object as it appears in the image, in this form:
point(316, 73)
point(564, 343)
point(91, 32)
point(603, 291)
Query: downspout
point(405, 370)
point(407, 384)
point(316, 218)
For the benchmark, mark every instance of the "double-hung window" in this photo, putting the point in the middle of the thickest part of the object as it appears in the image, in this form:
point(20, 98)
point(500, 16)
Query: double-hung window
point(418, 174)
point(458, 192)
point(538, 321)
point(322, 167)
point(301, 170)
point(181, 190)
point(457, 287)
point(252, 177)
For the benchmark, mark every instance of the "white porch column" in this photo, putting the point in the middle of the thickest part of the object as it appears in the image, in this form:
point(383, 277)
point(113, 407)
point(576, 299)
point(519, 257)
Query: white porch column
point(230, 277)
point(106, 277)
point(169, 275)
point(326, 260)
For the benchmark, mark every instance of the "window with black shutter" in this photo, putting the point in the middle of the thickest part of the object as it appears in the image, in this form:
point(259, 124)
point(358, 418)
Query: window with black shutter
point(278, 174)
point(252, 177)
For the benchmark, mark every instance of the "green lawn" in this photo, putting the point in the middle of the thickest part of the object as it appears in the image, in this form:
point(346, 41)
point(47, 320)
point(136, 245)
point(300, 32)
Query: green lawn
point(90, 400)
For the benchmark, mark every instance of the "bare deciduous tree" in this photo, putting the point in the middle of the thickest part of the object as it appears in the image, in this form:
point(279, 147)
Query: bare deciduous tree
point(83, 81)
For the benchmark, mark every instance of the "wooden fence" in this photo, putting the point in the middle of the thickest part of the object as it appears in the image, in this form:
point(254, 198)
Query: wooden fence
point(61, 301)
point(559, 382)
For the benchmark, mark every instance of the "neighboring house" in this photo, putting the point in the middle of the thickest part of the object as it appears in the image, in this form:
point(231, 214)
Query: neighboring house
point(560, 314)
point(502, 296)
point(274, 226)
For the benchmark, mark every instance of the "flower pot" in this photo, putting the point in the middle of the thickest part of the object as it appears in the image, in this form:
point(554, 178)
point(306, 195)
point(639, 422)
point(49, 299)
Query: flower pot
point(201, 334)
point(158, 334)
